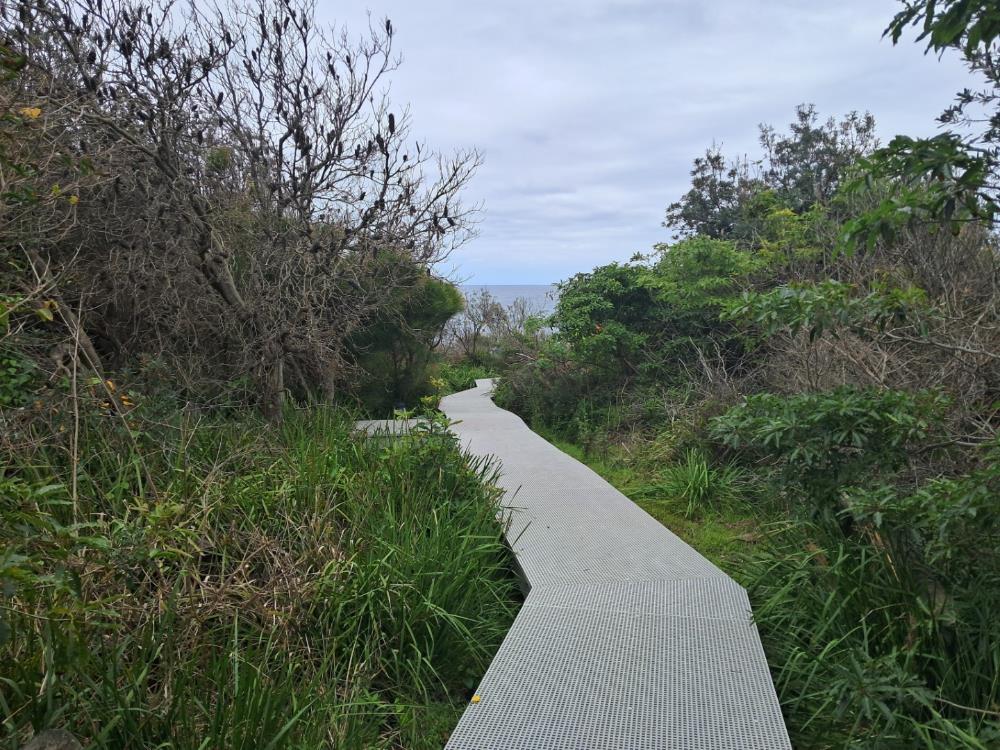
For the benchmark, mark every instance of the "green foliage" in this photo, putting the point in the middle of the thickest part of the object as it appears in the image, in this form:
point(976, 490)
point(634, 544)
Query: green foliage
point(229, 585)
point(943, 179)
point(639, 324)
point(395, 349)
point(627, 319)
point(219, 159)
point(885, 637)
point(18, 376)
point(713, 205)
point(801, 169)
point(942, 525)
point(806, 166)
point(968, 25)
point(607, 316)
point(698, 275)
point(459, 376)
point(829, 440)
point(783, 237)
point(700, 485)
point(553, 391)
point(948, 180)
point(826, 306)
point(861, 652)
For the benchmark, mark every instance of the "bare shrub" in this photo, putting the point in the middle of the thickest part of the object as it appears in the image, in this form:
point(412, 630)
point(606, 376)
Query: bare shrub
point(244, 194)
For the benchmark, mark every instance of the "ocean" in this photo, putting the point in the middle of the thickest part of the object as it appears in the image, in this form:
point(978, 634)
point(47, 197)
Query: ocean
point(540, 296)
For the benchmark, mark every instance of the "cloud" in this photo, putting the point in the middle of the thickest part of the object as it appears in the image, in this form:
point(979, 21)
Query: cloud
point(589, 112)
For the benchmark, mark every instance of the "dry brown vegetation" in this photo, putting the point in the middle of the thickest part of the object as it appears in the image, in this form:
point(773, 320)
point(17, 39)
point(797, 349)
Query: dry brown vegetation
point(223, 191)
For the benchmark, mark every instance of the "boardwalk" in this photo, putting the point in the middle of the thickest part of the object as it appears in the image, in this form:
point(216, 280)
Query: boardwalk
point(628, 639)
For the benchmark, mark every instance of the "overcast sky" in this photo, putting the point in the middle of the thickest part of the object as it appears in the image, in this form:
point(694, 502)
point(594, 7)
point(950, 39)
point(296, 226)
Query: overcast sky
point(589, 112)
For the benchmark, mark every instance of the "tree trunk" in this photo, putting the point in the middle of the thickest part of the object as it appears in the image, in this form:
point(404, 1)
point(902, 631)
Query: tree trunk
point(273, 382)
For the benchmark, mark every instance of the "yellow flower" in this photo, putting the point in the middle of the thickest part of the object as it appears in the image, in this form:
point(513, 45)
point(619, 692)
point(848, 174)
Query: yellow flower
point(74, 199)
point(31, 112)
point(476, 699)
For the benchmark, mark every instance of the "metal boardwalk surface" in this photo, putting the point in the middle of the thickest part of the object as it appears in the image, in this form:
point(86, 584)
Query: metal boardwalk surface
point(629, 639)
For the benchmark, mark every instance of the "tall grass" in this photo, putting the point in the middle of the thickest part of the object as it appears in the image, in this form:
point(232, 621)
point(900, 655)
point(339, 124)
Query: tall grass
point(699, 485)
point(231, 585)
point(867, 652)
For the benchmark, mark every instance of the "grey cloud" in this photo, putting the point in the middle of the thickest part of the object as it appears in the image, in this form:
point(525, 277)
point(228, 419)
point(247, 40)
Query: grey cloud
point(589, 113)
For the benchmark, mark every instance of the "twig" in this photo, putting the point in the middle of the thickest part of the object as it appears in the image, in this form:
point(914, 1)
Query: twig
point(75, 442)
point(982, 711)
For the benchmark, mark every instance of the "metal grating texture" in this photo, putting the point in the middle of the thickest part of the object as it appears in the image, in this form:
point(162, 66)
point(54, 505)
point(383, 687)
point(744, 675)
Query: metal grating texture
point(570, 679)
point(629, 639)
point(716, 598)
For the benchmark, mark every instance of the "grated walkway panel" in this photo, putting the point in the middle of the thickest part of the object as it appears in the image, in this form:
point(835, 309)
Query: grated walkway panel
point(629, 639)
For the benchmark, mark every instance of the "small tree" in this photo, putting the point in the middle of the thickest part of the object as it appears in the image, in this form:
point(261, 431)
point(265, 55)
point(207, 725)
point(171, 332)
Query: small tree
point(798, 170)
point(470, 330)
point(253, 178)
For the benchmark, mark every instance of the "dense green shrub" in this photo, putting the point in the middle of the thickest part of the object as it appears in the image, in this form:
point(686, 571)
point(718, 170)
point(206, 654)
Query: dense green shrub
point(828, 306)
point(948, 528)
point(395, 349)
point(622, 327)
point(827, 441)
point(553, 390)
point(887, 635)
point(607, 315)
point(640, 318)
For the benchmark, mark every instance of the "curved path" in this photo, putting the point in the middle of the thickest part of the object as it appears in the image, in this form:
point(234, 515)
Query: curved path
point(629, 639)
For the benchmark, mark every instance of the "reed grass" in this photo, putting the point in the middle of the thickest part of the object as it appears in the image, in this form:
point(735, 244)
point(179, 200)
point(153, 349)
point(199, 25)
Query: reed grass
point(227, 584)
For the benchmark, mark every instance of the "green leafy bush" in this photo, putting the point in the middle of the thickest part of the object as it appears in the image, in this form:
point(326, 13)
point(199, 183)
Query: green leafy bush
point(17, 378)
point(948, 525)
point(826, 441)
point(606, 315)
point(827, 306)
point(395, 349)
point(641, 318)
point(886, 638)
point(552, 390)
